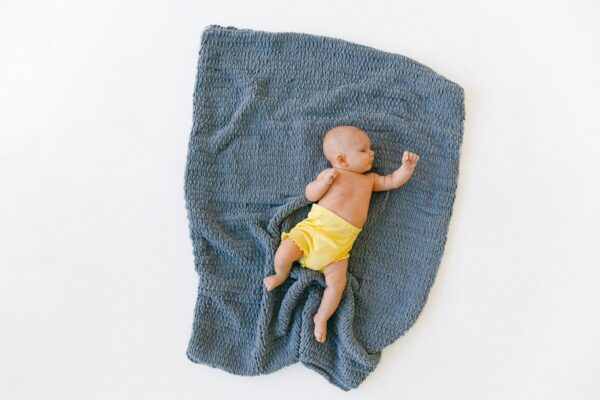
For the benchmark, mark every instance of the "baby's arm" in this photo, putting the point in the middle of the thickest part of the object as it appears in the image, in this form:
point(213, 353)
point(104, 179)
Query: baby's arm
point(399, 177)
point(317, 188)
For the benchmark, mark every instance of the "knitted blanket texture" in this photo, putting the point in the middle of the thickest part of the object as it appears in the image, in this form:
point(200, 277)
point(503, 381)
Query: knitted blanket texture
point(262, 104)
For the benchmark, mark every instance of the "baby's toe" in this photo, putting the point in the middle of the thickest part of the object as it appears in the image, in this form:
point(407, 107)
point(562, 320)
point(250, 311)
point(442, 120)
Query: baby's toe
point(320, 330)
point(268, 282)
point(320, 336)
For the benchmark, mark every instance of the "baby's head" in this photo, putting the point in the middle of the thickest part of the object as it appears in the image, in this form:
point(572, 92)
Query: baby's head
point(348, 147)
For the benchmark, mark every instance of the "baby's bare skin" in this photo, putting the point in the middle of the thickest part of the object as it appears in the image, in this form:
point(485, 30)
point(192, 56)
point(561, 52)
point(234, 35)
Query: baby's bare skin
point(349, 195)
point(344, 189)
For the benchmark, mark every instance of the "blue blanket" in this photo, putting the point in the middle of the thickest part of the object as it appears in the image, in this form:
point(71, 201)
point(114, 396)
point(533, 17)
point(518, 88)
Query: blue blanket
point(262, 104)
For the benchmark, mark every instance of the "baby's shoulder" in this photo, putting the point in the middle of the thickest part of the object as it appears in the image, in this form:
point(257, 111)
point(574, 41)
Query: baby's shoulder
point(371, 177)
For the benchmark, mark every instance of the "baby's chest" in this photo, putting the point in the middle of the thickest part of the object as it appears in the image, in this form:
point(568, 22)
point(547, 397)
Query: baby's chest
point(353, 186)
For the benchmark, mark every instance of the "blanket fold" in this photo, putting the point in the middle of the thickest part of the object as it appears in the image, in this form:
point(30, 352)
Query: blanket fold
point(262, 104)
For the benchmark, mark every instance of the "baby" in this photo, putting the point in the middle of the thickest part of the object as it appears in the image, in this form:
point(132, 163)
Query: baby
point(323, 240)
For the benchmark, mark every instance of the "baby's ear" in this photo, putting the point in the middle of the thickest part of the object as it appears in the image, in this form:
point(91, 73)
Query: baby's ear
point(341, 158)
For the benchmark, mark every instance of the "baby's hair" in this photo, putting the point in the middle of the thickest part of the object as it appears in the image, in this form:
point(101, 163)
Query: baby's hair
point(336, 137)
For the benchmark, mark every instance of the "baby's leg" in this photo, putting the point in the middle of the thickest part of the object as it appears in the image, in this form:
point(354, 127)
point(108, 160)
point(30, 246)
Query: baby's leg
point(285, 255)
point(335, 277)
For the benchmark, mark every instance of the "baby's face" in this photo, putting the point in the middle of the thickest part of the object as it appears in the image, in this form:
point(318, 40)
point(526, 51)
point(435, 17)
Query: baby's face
point(359, 154)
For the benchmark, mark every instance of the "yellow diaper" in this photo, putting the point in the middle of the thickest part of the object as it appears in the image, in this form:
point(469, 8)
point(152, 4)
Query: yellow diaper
point(324, 237)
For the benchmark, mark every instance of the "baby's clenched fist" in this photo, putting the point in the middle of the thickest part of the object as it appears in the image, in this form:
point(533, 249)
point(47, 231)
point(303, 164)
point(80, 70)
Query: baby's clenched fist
point(330, 176)
point(409, 159)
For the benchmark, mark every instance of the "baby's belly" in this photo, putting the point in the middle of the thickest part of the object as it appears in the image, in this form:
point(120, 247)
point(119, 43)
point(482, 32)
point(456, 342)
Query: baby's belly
point(353, 209)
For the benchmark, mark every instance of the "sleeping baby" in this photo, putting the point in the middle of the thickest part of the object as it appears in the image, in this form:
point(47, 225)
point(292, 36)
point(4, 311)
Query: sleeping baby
point(323, 240)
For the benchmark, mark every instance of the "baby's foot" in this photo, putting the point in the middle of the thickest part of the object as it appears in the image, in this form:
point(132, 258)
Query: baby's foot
point(320, 328)
point(271, 282)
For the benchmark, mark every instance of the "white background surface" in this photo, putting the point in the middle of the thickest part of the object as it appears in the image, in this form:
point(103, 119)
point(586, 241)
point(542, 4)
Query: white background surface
point(97, 281)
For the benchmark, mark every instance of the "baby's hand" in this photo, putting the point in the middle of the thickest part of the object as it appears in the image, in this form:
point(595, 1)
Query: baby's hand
point(330, 176)
point(410, 160)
